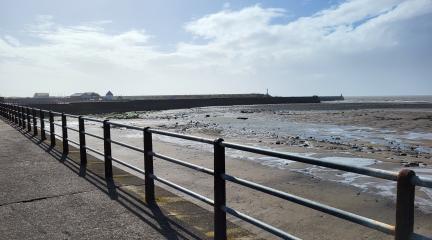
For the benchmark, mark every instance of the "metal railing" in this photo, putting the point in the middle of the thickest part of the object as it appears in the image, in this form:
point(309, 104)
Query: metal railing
point(406, 179)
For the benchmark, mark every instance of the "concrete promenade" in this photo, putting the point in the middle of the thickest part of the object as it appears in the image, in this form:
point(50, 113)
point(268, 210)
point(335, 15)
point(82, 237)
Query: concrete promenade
point(45, 195)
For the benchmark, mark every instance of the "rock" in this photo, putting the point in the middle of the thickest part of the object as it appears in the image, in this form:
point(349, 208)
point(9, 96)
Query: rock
point(278, 142)
point(207, 115)
point(412, 164)
point(402, 154)
point(242, 118)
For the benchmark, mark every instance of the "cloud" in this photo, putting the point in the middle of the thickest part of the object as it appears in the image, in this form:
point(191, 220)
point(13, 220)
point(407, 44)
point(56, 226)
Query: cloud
point(358, 47)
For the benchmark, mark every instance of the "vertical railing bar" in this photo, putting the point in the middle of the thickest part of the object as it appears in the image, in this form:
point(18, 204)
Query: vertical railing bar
point(107, 151)
point(52, 129)
point(220, 224)
point(404, 227)
point(19, 116)
point(35, 131)
point(23, 118)
point(148, 166)
point(65, 135)
point(28, 119)
point(42, 124)
point(82, 140)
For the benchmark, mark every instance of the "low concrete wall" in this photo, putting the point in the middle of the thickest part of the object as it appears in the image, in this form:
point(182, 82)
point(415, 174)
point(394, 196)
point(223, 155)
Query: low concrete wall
point(145, 105)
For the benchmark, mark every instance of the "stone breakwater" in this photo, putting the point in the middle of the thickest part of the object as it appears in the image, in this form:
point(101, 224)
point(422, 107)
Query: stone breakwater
point(165, 104)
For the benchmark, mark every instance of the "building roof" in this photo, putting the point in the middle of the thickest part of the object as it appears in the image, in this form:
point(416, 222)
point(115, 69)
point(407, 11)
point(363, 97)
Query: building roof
point(85, 94)
point(109, 93)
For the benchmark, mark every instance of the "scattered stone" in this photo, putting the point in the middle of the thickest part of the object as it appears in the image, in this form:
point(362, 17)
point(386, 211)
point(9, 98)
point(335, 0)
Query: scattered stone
point(278, 142)
point(413, 164)
point(242, 118)
point(207, 115)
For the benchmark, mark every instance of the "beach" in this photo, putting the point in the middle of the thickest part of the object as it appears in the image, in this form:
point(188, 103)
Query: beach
point(387, 135)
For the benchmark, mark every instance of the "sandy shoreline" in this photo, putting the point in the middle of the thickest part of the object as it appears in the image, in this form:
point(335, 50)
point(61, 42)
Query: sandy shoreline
point(318, 184)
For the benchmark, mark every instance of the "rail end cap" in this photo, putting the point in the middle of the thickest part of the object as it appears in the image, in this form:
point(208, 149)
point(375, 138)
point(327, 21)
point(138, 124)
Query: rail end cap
point(218, 140)
point(406, 173)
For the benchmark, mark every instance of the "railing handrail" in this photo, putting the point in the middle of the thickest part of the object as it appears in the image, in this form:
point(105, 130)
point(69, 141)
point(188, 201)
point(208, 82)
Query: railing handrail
point(406, 179)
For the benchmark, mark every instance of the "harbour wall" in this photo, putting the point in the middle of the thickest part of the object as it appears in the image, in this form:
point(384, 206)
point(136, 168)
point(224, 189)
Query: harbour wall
point(147, 105)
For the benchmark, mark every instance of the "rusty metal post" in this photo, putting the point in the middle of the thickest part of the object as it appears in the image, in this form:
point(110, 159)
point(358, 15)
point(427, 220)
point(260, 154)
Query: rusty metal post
point(148, 167)
point(42, 124)
point(107, 150)
point(52, 129)
point(405, 205)
point(82, 141)
point(65, 135)
point(28, 119)
point(35, 131)
point(220, 224)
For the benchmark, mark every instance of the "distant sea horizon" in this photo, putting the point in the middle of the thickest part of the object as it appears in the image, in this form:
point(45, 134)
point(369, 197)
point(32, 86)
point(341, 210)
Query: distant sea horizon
point(395, 99)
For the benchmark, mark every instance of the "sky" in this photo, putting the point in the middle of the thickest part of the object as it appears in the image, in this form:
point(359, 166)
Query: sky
point(291, 47)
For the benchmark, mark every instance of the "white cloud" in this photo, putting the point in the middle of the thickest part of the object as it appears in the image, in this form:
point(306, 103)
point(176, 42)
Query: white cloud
point(357, 47)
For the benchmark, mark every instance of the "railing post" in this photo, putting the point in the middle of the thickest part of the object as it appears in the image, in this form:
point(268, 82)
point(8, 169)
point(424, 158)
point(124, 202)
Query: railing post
point(148, 166)
point(65, 135)
point(82, 141)
point(23, 118)
point(405, 205)
point(10, 113)
point(52, 129)
point(7, 112)
point(220, 223)
point(42, 124)
point(35, 131)
point(28, 119)
point(16, 114)
point(19, 115)
point(107, 150)
point(13, 113)
point(21, 111)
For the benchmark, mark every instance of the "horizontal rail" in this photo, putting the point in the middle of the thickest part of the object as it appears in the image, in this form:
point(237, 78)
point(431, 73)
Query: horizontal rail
point(422, 181)
point(93, 135)
point(126, 126)
point(57, 124)
point(367, 222)
point(95, 151)
point(73, 129)
point(416, 236)
point(128, 165)
point(182, 136)
point(93, 119)
point(373, 172)
point(183, 163)
point(74, 142)
point(127, 146)
point(184, 190)
point(60, 136)
point(70, 115)
point(258, 223)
